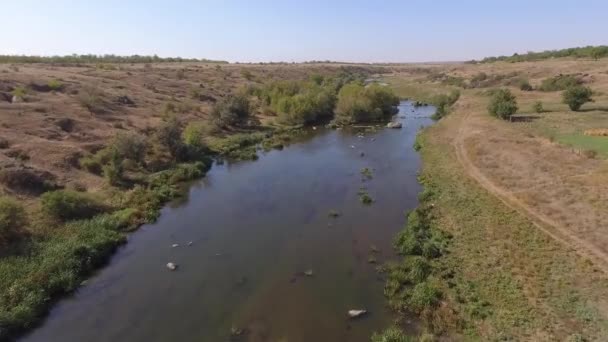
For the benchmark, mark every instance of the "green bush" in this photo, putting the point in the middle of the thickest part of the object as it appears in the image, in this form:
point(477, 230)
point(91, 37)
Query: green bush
point(193, 135)
point(538, 107)
point(233, 110)
point(55, 85)
point(113, 170)
point(69, 205)
point(443, 102)
point(12, 219)
point(502, 104)
point(169, 136)
point(131, 146)
point(19, 92)
point(576, 96)
point(559, 82)
point(393, 334)
point(424, 295)
point(357, 103)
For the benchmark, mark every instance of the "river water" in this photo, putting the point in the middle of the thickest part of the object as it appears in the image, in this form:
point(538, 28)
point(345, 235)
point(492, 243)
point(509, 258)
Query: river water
point(255, 229)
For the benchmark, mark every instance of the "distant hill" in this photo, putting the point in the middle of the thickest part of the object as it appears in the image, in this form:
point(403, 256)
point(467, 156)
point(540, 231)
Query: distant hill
point(99, 59)
point(595, 52)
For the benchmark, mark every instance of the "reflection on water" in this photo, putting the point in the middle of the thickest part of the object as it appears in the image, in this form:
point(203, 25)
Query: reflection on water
point(256, 228)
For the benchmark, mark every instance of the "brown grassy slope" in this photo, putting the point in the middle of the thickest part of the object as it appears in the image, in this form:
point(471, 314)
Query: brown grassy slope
point(34, 130)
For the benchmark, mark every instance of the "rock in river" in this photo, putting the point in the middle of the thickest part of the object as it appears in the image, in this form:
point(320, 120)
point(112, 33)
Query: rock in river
point(356, 313)
point(394, 125)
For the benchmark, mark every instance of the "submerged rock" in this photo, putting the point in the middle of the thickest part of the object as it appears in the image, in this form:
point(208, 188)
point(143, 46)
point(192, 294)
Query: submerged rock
point(356, 313)
point(394, 125)
point(171, 266)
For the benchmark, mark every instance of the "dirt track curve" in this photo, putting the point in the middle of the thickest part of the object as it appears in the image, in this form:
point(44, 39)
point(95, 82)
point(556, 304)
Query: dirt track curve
point(546, 224)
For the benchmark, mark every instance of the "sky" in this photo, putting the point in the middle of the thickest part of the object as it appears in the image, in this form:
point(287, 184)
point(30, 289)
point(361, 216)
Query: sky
point(288, 30)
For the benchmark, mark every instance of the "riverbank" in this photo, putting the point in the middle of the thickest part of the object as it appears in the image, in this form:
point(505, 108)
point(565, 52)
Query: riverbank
point(501, 275)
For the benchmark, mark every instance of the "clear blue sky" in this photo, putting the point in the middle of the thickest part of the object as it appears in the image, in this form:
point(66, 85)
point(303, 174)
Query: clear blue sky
point(263, 30)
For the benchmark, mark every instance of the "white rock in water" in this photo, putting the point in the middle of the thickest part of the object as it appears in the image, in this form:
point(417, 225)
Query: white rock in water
point(356, 313)
point(171, 266)
point(394, 125)
point(175, 245)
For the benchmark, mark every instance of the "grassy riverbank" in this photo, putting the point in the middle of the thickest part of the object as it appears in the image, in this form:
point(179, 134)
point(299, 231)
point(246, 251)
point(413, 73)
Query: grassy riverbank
point(514, 200)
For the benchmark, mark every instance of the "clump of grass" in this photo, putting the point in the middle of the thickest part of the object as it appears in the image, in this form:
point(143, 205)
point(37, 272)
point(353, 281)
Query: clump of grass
point(333, 213)
point(393, 334)
point(366, 173)
point(538, 107)
point(12, 219)
point(19, 92)
point(364, 197)
point(69, 205)
point(55, 85)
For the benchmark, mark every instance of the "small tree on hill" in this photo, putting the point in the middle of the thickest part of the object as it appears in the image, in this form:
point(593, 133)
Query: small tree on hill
point(576, 96)
point(503, 104)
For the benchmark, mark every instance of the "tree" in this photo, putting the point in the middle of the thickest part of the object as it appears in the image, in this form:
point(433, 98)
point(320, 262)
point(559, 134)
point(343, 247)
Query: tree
point(503, 104)
point(576, 96)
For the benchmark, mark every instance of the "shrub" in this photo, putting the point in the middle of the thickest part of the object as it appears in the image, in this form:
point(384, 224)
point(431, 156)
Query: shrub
point(12, 219)
point(246, 74)
point(131, 146)
point(169, 135)
point(357, 103)
point(19, 92)
point(26, 180)
point(424, 295)
point(559, 82)
point(193, 135)
point(443, 103)
point(525, 85)
point(55, 85)
point(91, 164)
point(576, 96)
point(392, 335)
point(233, 110)
point(503, 104)
point(113, 170)
point(91, 99)
point(69, 205)
point(538, 107)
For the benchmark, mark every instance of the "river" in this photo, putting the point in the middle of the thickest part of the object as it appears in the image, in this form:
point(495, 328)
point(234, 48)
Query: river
point(255, 229)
